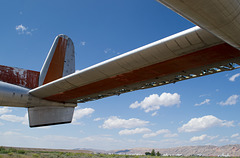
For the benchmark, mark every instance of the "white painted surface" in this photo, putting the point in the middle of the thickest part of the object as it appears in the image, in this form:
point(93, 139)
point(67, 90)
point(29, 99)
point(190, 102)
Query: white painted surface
point(69, 61)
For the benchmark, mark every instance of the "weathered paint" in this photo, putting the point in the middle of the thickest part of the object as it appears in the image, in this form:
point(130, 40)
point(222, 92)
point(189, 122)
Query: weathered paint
point(20, 77)
point(197, 59)
point(69, 61)
point(55, 70)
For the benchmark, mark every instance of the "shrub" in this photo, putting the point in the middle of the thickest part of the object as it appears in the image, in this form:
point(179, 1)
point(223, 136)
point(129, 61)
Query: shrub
point(158, 153)
point(12, 150)
point(3, 150)
point(10, 154)
point(147, 153)
point(36, 155)
point(21, 151)
point(153, 153)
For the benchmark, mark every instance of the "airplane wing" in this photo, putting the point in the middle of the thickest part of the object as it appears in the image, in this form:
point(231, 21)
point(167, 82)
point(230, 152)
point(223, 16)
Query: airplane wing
point(220, 17)
point(192, 53)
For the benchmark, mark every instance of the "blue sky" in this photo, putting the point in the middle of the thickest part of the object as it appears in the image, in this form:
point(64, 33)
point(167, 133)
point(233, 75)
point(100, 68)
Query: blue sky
point(201, 111)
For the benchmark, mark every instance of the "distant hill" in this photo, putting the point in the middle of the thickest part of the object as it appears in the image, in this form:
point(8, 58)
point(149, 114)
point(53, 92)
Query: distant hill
point(92, 150)
point(208, 150)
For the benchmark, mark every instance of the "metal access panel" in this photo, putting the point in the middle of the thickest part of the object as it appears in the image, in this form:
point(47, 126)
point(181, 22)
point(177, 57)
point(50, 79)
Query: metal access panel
point(45, 116)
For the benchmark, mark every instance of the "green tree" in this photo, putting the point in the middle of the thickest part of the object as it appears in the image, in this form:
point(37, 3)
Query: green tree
point(158, 153)
point(153, 153)
point(147, 153)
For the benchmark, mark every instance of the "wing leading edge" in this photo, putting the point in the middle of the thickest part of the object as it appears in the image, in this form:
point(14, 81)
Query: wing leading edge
point(191, 53)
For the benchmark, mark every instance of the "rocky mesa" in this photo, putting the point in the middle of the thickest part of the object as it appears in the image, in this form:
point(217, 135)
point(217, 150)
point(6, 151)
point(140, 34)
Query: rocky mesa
point(207, 150)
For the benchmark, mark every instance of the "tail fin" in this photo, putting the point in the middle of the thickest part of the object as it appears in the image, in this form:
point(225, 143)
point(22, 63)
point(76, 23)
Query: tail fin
point(60, 60)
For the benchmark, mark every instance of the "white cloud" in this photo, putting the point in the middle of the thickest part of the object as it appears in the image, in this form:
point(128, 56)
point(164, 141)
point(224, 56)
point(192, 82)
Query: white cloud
point(232, 100)
point(21, 28)
point(83, 43)
point(235, 135)
point(170, 135)
point(134, 131)
point(224, 140)
point(213, 137)
point(115, 122)
point(28, 33)
point(8, 133)
point(204, 95)
point(24, 30)
point(154, 101)
point(14, 118)
point(79, 113)
point(206, 101)
point(234, 77)
point(108, 50)
point(202, 123)
point(98, 119)
point(5, 110)
point(198, 138)
point(154, 134)
point(202, 137)
point(154, 114)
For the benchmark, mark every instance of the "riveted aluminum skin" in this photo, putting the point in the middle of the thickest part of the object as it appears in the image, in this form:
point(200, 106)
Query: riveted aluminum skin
point(16, 96)
point(174, 46)
point(220, 17)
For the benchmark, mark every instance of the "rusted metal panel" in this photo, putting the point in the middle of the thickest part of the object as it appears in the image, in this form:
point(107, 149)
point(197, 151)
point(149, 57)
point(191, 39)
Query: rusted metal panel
point(20, 77)
point(197, 59)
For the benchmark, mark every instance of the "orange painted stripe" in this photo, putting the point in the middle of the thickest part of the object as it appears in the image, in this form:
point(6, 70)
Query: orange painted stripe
point(197, 59)
point(55, 70)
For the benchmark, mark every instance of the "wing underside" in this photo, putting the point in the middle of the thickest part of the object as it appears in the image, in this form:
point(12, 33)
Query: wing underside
point(188, 54)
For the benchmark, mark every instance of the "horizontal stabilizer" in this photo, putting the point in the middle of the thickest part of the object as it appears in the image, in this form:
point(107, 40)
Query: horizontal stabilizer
point(44, 116)
point(20, 77)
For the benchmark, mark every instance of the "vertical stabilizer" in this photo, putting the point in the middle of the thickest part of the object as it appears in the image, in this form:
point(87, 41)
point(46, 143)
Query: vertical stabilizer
point(60, 60)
